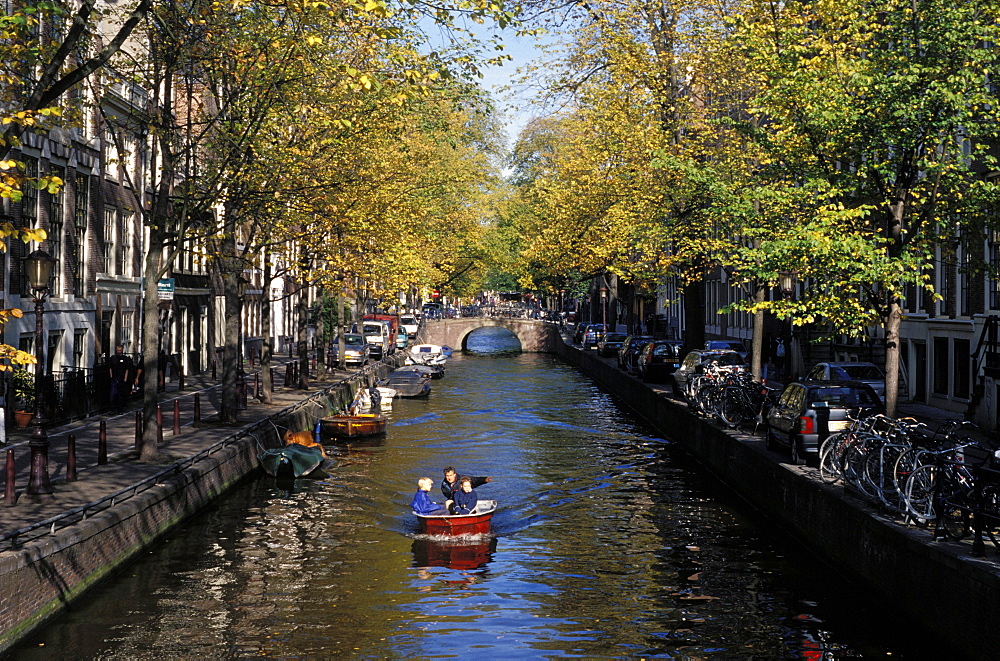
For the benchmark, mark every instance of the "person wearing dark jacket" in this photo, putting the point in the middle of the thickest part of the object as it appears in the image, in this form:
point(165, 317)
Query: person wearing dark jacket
point(465, 497)
point(449, 485)
point(422, 503)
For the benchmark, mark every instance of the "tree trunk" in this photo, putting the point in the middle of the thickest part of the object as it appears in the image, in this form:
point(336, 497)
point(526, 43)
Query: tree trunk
point(320, 336)
point(757, 342)
point(892, 323)
point(341, 330)
point(266, 348)
point(302, 343)
point(148, 450)
point(694, 315)
point(229, 411)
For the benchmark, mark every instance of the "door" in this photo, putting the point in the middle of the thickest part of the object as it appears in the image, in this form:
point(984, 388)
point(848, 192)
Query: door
point(919, 372)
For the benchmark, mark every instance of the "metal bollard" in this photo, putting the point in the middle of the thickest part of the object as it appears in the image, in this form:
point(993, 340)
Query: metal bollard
point(197, 408)
point(71, 458)
point(256, 385)
point(159, 424)
point(177, 417)
point(138, 429)
point(180, 378)
point(8, 492)
point(215, 370)
point(102, 444)
point(252, 352)
point(289, 374)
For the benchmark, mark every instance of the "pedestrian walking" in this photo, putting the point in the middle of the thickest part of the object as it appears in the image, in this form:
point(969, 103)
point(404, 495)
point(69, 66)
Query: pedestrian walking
point(120, 368)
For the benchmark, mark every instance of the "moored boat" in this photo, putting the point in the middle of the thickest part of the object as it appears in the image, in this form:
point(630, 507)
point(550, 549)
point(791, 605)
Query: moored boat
point(477, 523)
point(353, 426)
point(409, 384)
point(291, 460)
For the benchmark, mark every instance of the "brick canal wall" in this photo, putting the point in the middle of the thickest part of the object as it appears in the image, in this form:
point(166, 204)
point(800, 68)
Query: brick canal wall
point(39, 579)
point(956, 596)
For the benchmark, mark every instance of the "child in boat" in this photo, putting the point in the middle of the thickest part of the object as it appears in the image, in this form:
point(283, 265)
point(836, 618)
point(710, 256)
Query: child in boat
point(465, 497)
point(422, 503)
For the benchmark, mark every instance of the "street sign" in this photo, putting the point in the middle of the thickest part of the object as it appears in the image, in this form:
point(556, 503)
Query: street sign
point(165, 289)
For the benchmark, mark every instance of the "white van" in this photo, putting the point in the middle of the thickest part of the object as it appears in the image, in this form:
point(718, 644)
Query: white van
point(410, 325)
point(377, 335)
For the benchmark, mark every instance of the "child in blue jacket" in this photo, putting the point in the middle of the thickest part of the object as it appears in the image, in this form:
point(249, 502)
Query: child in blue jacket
point(422, 503)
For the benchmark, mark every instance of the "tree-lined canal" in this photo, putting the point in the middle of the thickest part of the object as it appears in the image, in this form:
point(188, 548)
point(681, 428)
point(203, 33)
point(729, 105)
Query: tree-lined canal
point(610, 542)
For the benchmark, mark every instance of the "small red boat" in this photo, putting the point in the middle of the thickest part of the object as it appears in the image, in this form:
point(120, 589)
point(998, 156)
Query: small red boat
point(477, 523)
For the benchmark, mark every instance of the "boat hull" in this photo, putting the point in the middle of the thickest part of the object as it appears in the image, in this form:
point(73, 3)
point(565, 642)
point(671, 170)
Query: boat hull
point(459, 524)
point(353, 426)
point(291, 460)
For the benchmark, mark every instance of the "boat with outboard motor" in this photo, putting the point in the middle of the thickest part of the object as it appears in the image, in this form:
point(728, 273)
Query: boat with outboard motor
point(476, 523)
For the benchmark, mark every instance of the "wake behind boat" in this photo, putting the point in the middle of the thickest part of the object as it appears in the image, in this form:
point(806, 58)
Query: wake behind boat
point(477, 523)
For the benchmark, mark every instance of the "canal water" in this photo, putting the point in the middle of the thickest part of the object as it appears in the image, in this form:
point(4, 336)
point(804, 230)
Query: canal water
point(610, 542)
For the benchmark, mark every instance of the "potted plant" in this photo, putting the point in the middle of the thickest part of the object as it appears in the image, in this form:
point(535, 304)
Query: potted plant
point(23, 385)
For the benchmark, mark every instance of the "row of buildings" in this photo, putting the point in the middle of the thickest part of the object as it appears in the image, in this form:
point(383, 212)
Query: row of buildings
point(96, 234)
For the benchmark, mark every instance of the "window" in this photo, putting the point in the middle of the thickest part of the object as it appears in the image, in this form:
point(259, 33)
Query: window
point(79, 343)
point(126, 335)
point(941, 366)
point(962, 363)
point(127, 256)
point(53, 361)
point(79, 246)
point(110, 239)
point(56, 231)
point(29, 200)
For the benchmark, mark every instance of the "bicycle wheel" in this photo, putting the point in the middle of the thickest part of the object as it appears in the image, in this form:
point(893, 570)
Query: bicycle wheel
point(955, 519)
point(918, 496)
point(879, 475)
point(829, 464)
point(731, 408)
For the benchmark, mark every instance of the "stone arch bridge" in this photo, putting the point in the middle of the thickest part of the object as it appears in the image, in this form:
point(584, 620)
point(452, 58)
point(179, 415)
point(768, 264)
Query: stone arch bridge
point(535, 336)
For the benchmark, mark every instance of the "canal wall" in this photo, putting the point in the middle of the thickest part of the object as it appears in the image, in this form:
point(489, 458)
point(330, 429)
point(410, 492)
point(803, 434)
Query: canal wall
point(933, 583)
point(40, 578)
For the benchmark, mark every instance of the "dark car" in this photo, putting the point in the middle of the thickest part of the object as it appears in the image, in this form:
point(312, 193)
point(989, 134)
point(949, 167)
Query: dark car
point(611, 343)
point(592, 334)
point(868, 373)
point(659, 359)
point(695, 361)
point(629, 353)
point(809, 411)
point(734, 345)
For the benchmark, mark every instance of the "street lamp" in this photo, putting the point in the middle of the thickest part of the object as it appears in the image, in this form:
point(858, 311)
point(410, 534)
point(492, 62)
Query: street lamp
point(38, 270)
point(786, 281)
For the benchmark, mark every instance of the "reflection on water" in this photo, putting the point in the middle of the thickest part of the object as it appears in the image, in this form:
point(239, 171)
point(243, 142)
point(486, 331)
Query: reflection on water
point(466, 552)
point(608, 542)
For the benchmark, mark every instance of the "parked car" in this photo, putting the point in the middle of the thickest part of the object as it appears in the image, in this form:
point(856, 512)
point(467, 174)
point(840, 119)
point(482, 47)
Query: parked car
point(629, 353)
point(610, 343)
point(659, 359)
point(733, 345)
point(809, 411)
point(869, 373)
point(357, 351)
point(579, 332)
point(695, 361)
point(592, 333)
